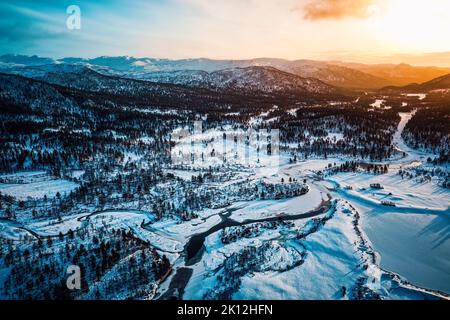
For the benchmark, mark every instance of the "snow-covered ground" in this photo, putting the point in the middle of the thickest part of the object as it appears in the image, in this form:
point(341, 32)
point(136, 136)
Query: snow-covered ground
point(414, 245)
point(14, 231)
point(404, 193)
point(173, 235)
point(420, 96)
point(332, 257)
point(23, 177)
point(303, 168)
point(378, 103)
point(358, 244)
point(34, 185)
point(258, 209)
point(411, 239)
point(399, 143)
point(227, 146)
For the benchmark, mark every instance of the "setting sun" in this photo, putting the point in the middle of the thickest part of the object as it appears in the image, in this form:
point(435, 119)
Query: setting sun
point(412, 25)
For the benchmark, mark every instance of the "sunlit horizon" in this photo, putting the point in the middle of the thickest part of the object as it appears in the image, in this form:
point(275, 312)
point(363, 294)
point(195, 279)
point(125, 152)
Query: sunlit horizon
point(415, 32)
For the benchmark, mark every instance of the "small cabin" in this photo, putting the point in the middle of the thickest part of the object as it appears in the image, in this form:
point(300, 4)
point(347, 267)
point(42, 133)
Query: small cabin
point(376, 186)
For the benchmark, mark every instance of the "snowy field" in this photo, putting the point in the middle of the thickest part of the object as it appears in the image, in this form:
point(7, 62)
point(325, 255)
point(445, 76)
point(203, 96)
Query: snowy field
point(227, 146)
point(34, 185)
point(403, 192)
point(420, 96)
point(11, 230)
point(254, 210)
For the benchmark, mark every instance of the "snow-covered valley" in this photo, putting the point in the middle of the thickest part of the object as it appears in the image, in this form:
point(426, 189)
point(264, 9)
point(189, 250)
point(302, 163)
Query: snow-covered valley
point(246, 190)
point(408, 241)
point(339, 240)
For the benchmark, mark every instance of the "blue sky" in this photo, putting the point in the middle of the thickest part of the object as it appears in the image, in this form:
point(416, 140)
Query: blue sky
point(357, 30)
point(107, 27)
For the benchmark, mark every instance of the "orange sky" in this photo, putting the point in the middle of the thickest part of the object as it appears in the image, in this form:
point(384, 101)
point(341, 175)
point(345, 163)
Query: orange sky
point(371, 31)
point(366, 30)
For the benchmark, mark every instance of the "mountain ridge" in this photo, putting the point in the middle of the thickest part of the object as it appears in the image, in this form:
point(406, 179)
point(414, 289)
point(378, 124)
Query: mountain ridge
point(439, 83)
point(335, 73)
point(265, 80)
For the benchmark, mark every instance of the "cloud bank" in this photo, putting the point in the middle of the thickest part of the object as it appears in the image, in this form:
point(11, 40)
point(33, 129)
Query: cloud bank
point(337, 9)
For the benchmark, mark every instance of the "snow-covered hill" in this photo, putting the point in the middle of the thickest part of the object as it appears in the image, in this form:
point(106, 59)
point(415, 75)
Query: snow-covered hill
point(142, 68)
point(441, 84)
point(336, 73)
point(249, 79)
point(267, 79)
point(18, 93)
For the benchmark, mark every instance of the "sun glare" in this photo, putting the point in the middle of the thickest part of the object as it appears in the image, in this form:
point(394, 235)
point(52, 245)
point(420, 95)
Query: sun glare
point(413, 25)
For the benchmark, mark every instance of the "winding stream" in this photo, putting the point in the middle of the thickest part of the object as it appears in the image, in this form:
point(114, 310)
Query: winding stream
point(194, 248)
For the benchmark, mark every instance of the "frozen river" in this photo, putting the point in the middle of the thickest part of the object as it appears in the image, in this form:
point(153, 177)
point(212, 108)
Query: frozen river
point(413, 241)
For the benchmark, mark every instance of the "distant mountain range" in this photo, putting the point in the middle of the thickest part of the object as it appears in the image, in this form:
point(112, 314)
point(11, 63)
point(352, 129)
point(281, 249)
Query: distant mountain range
point(254, 78)
point(438, 84)
point(263, 74)
point(90, 77)
point(399, 74)
point(59, 88)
